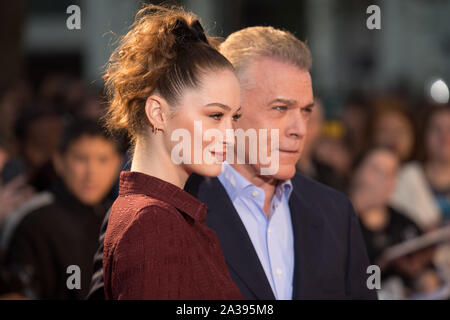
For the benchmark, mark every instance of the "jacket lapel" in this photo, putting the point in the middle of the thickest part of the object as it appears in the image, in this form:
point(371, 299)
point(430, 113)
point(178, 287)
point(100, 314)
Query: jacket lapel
point(235, 242)
point(307, 226)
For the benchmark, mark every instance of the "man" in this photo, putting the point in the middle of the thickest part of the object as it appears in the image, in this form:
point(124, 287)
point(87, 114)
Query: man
point(63, 232)
point(283, 236)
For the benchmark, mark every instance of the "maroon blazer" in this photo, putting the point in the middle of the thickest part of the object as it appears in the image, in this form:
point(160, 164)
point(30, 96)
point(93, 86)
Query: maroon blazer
point(157, 247)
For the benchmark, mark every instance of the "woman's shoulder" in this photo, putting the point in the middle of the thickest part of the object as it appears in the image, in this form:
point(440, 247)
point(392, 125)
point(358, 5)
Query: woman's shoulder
point(137, 204)
point(412, 170)
point(140, 213)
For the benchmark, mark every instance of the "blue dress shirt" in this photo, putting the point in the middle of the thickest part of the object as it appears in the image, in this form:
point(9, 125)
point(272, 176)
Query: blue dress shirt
point(272, 237)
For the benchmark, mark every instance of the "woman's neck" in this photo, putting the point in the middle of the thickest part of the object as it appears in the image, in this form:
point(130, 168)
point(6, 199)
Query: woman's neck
point(150, 157)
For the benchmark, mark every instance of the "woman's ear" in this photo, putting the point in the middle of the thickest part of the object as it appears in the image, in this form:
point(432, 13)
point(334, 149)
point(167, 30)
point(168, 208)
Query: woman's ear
point(155, 107)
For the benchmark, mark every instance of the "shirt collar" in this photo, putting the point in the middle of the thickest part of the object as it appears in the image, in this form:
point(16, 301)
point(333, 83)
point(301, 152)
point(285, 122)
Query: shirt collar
point(284, 188)
point(235, 183)
point(141, 183)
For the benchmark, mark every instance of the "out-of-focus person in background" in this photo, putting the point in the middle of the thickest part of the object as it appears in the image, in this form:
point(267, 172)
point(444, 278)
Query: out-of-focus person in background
point(355, 118)
point(383, 227)
point(423, 189)
point(14, 189)
point(332, 156)
point(335, 145)
point(38, 131)
point(413, 274)
point(12, 101)
point(72, 95)
point(371, 188)
point(392, 127)
point(30, 128)
point(44, 242)
point(437, 161)
point(27, 167)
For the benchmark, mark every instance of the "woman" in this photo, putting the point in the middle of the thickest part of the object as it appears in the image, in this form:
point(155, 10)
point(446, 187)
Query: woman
point(423, 188)
point(164, 76)
point(393, 128)
point(372, 185)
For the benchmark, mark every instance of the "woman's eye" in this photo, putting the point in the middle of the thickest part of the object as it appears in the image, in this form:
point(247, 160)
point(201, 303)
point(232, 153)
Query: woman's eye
point(280, 108)
point(216, 116)
point(236, 117)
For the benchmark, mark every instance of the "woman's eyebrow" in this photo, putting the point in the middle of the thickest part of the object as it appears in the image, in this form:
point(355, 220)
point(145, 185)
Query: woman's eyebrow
point(217, 104)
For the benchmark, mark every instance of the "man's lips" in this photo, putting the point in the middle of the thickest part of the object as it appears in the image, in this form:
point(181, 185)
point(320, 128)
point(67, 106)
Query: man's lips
point(293, 151)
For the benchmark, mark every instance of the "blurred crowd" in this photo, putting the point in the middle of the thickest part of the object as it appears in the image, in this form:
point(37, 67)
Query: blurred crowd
point(391, 156)
point(59, 170)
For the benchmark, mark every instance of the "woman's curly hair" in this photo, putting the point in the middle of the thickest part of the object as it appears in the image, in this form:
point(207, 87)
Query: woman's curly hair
point(165, 51)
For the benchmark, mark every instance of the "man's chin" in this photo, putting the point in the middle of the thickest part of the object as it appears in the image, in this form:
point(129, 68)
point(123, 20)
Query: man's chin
point(285, 172)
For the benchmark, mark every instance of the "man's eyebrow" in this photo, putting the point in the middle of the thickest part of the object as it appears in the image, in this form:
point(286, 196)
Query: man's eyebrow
point(283, 101)
point(290, 102)
point(217, 104)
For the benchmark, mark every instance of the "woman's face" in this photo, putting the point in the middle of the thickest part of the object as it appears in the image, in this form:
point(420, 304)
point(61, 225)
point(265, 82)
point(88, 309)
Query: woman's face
point(438, 136)
point(395, 132)
point(210, 109)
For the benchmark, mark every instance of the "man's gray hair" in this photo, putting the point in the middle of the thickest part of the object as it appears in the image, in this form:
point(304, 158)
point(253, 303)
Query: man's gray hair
point(243, 46)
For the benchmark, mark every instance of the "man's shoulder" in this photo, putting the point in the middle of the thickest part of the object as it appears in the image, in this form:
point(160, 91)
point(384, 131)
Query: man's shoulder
point(313, 189)
point(324, 202)
point(308, 188)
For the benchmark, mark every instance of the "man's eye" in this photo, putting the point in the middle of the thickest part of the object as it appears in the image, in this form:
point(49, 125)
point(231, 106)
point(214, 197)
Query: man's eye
point(236, 117)
point(216, 116)
point(280, 108)
point(308, 110)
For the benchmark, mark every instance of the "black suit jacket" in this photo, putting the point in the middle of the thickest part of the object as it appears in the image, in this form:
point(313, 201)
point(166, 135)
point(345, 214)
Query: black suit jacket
point(330, 255)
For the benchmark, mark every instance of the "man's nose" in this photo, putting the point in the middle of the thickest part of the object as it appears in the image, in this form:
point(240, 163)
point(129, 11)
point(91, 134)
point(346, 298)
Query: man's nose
point(296, 126)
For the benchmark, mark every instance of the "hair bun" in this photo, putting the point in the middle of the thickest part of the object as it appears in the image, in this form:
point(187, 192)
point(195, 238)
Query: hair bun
point(185, 34)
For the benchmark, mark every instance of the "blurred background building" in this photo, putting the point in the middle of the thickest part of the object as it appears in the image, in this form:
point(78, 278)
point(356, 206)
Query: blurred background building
point(412, 47)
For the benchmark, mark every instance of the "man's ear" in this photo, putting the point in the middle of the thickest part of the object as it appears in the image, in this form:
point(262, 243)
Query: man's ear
point(155, 109)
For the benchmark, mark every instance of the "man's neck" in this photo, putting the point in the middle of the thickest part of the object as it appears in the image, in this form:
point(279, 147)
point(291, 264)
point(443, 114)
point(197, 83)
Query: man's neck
point(267, 183)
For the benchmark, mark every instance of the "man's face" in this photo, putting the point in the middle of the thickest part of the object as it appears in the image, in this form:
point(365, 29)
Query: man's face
point(277, 95)
point(89, 168)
